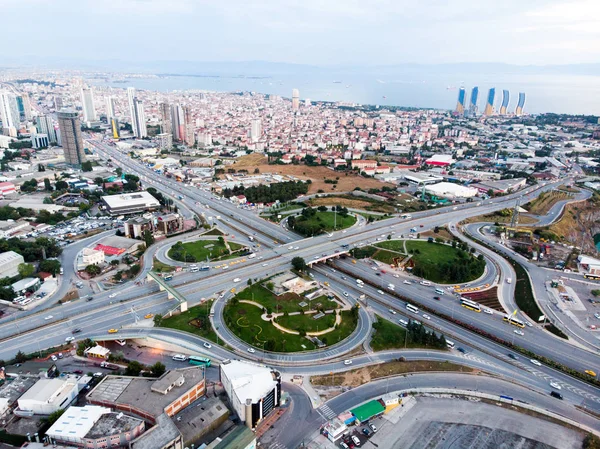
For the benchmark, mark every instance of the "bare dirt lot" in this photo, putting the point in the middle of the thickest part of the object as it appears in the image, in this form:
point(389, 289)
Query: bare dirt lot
point(317, 175)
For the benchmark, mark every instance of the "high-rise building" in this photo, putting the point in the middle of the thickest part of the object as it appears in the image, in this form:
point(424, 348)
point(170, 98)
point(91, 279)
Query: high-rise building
point(165, 118)
point(26, 107)
point(110, 108)
point(505, 100)
point(139, 129)
point(473, 103)
point(178, 122)
point(489, 105)
point(9, 111)
point(58, 103)
point(520, 104)
point(255, 130)
point(87, 102)
point(45, 126)
point(295, 99)
point(70, 135)
point(460, 104)
point(190, 137)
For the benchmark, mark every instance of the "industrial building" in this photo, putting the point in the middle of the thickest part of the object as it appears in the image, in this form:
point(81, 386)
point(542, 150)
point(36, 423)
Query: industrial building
point(254, 390)
point(501, 186)
point(49, 395)
point(130, 203)
point(440, 160)
point(451, 191)
point(95, 427)
point(9, 264)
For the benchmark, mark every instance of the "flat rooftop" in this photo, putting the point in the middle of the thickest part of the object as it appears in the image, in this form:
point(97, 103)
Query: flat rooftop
point(137, 391)
point(197, 419)
point(113, 424)
point(131, 199)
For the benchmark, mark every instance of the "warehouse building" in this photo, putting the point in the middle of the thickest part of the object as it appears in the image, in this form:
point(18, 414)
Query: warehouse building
point(130, 203)
point(451, 191)
point(49, 395)
point(9, 264)
point(254, 390)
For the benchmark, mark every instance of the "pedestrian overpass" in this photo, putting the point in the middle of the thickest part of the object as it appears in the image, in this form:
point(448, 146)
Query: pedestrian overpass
point(172, 293)
point(325, 258)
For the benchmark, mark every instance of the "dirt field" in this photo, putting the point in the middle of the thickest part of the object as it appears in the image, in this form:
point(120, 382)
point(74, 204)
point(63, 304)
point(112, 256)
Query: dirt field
point(442, 233)
point(523, 219)
point(579, 223)
point(316, 174)
point(360, 376)
point(543, 203)
point(351, 203)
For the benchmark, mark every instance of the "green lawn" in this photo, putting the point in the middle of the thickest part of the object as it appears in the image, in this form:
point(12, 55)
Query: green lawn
point(435, 261)
point(213, 231)
point(182, 321)
point(307, 322)
point(160, 267)
point(203, 249)
point(288, 302)
point(387, 256)
point(322, 222)
point(388, 335)
point(349, 323)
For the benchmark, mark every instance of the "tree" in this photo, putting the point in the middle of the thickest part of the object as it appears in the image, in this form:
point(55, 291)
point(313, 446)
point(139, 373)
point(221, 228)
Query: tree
point(118, 276)
point(53, 417)
point(86, 166)
point(596, 292)
point(51, 266)
point(98, 181)
point(119, 171)
point(20, 357)
point(26, 270)
point(299, 264)
point(148, 238)
point(134, 368)
point(93, 270)
point(158, 369)
point(47, 185)
point(158, 319)
point(61, 185)
point(322, 208)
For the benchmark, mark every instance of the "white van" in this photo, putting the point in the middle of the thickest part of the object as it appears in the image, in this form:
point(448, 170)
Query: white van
point(179, 358)
point(194, 269)
point(237, 280)
point(439, 291)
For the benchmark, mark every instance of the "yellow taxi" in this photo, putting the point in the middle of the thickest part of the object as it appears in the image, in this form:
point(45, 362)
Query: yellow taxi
point(148, 316)
point(353, 260)
point(589, 372)
point(113, 331)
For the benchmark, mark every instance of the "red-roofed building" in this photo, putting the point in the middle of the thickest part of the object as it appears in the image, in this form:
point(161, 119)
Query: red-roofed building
point(363, 164)
point(6, 188)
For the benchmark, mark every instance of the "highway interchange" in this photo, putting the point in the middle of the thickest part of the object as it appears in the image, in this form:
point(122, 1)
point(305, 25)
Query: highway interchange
point(31, 332)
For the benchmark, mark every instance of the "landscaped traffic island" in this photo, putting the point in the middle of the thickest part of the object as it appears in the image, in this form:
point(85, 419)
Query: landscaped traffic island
point(288, 322)
point(205, 250)
point(442, 263)
point(315, 221)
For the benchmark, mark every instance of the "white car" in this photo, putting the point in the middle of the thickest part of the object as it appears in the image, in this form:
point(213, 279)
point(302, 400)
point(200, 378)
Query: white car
point(535, 362)
point(49, 317)
point(528, 324)
point(374, 268)
point(54, 358)
point(345, 294)
point(347, 362)
point(265, 264)
point(396, 275)
point(207, 345)
point(112, 295)
point(237, 280)
point(518, 332)
point(69, 339)
point(380, 292)
point(427, 317)
point(555, 385)
point(403, 322)
point(392, 311)
point(296, 247)
point(225, 267)
point(251, 350)
point(488, 311)
point(406, 282)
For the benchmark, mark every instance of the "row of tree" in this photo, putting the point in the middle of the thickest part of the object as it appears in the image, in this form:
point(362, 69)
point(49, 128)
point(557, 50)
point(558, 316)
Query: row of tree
point(281, 191)
point(418, 334)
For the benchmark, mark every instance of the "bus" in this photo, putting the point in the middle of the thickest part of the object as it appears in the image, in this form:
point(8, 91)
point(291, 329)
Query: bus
point(412, 308)
point(168, 277)
point(439, 291)
point(471, 305)
point(199, 361)
point(514, 321)
point(450, 344)
point(594, 277)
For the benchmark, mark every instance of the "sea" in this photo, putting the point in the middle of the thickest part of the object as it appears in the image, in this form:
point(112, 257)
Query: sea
point(558, 93)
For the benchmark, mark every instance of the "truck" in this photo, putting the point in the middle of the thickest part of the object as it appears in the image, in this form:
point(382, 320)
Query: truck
point(110, 366)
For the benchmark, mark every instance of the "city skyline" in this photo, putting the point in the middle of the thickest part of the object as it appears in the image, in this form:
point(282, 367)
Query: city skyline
point(510, 32)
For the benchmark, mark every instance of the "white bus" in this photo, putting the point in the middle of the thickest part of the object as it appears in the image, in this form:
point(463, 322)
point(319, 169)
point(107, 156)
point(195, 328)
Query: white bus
point(412, 308)
point(471, 305)
point(450, 344)
point(194, 269)
point(439, 291)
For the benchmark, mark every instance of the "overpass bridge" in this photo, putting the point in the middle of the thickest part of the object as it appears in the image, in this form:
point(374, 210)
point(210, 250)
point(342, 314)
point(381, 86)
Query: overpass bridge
point(172, 293)
point(326, 257)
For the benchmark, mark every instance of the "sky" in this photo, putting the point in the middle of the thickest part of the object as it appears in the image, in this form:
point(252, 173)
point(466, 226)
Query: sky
point(315, 32)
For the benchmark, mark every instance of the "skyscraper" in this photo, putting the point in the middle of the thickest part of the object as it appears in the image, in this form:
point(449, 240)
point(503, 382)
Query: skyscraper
point(9, 112)
point(165, 118)
point(473, 103)
point(295, 99)
point(70, 135)
point(139, 123)
point(520, 104)
point(190, 137)
point(176, 122)
point(26, 107)
point(505, 100)
point(110, 108)
point(45, 126)
point(489, 106)
point(460, 104)
point(58, 103)
point(255, 130)
point(87, 102)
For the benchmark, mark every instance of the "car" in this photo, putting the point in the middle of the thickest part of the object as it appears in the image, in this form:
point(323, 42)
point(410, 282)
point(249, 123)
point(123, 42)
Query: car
point(98, 374)
point(488, 311)
point(69, 339)
point(555, 385)
point(112, 295)
point(461, 350)
point(535, 362)
point(406, 282)
point(589, 372)
point(403, 322)
point(380, 292)
point(396, 275)
point(344, 445)
point(49, 317)
point(597, 315)
point(518, 332)
point(237, 280)
point(378, 274)
point(392, 311)
point(528, 324)
point(113, 331)
point(54, 358)
point(78, 371)
point(251, 350)
point(437, 298)
point(76, 330)
point(556, 394)
point(366, 432)
point(374, 268)
point(148, 316)
point(345, 294)
point(347, 362)
point(60, 355)
point(355, 440)
point(514, 357)
point(427, 317)
point(207, 345)
point(373, 427)
point(265, 264)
